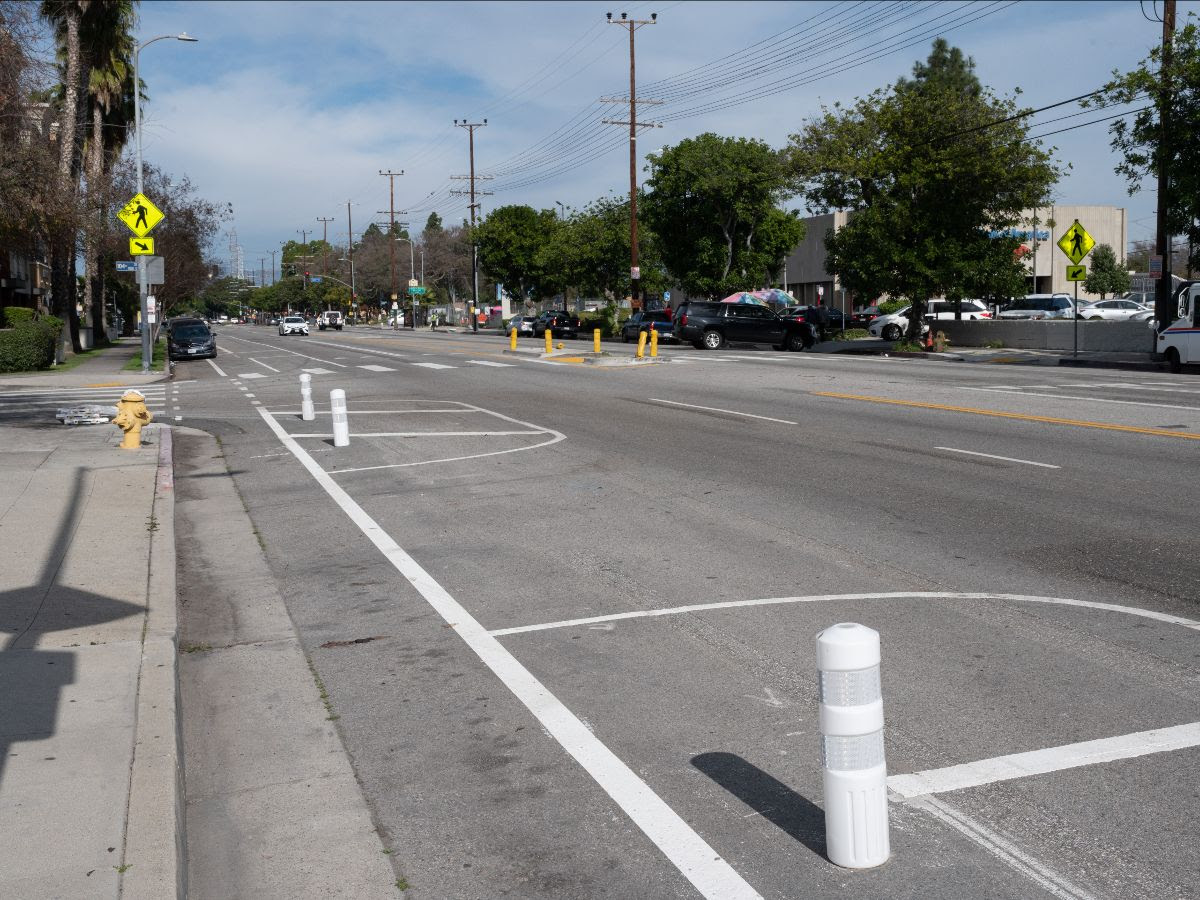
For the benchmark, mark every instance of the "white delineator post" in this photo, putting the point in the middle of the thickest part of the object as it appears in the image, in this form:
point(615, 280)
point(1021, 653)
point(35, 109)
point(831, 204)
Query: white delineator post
point(851, 721)
point(306, 405)
point(341, 424)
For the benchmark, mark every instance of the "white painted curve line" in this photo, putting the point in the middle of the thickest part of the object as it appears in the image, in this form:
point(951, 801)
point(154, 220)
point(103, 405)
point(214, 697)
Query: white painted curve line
point(689, 852)
point(732, 412)
point(259, 362)
point(820, 598)
point(1086, 399)
point(218, 368)
point(1003, 849)
point(1041, 762)
point(1027, 462)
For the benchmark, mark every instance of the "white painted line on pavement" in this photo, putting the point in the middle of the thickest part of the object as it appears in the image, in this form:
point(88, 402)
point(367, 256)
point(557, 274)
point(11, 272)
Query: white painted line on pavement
point(378, 412)
point(293, 352)
point(414, 434)
point(1087, 399)
point(218, 368)
point(377, 368)
point(689, 852)
point(485, 362)
point(433, 366)
point(1027, 462)
point(1041, 762)
point(358, 349)
point(731, 412)
point(819, 598)
point(259, 362)
point(317, 371)
point(249, 375)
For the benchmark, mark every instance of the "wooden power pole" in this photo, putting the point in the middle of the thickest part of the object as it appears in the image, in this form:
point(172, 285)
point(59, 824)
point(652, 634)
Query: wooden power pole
point(391, 177)
point(1162, 293)
point(471, 126)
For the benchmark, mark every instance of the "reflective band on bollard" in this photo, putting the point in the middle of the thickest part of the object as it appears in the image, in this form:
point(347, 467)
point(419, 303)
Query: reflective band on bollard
point(341, 425)
point(851, 721)
point(306, 405)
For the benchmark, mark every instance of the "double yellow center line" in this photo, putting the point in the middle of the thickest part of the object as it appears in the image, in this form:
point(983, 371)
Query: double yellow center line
point(1050, 420)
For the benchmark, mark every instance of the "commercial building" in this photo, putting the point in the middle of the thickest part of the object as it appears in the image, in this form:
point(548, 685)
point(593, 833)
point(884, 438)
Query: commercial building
point(806, 277)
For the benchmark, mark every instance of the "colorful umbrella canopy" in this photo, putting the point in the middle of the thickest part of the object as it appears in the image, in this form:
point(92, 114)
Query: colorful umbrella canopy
point(770, 297)
point(744, 297)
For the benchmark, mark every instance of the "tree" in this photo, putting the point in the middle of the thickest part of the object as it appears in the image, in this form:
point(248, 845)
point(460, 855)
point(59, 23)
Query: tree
point(930, 170)
point(511, 243)
point(433, 224)
point(1139, 139)
point(1105, 274)
point(713, 203)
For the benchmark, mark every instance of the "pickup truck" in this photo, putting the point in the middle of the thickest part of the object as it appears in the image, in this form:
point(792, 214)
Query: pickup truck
point(641, 322)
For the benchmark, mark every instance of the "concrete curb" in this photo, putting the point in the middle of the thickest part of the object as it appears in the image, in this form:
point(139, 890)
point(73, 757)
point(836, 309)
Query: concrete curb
point(154, 834)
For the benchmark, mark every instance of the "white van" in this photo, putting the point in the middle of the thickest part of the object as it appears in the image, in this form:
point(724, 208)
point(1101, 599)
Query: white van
point(1180, 342)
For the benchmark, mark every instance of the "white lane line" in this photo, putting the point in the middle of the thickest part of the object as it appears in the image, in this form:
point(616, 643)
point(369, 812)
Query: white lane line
point(251, 396)
point(359, 349)
point(327, 362)
point(820, 598)
point(378, 412)
point(416, 434)
point(731, 412)
point(1050, 759)
point(249, 375)
point(259, 362)
point(377, 368)
point(1027, 462)
point(179, 418)
point(689, 852)
point(318, 371)
point(1087, 399)
point(486, 362)
point(433, 366)
point(218, 368)
point(1003, 849)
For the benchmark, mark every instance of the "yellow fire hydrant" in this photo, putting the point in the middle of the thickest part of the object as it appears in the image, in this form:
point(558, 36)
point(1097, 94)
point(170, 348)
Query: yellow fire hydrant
point(131, 416)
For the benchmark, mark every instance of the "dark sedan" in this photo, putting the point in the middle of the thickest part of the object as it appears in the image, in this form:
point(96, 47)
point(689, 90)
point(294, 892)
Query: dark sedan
point(644, 321)
point(190, 339)
point(560, 323)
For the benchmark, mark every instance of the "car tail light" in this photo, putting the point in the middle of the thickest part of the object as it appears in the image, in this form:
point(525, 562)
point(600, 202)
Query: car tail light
point(985, 315)
point(683, 320)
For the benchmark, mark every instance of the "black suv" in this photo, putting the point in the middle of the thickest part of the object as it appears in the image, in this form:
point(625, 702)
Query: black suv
point(560, 323)
point(189, 338)
point(711, 325)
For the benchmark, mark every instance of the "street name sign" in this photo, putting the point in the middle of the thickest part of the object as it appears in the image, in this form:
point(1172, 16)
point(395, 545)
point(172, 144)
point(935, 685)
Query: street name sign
point(1076, 243)
point(126, 265)
point(140, 215)
point(416, 290)
point(141, 246)
point(1076, 273)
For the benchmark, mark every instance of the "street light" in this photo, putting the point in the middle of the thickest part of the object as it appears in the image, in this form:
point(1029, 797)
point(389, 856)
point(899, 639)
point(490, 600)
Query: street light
point(412, 273)
point(562, 210)
point(143, 287)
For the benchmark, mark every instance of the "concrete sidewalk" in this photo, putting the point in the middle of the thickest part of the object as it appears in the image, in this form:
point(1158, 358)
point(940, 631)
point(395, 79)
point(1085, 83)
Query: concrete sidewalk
point(100, 368)
point(90, 776)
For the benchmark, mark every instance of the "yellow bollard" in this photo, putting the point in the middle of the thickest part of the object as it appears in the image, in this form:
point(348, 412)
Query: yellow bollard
point(512, 341)
point(131, 416)
point(641, 351)
point(549, 341)
point(596, 339)
point(653, 341)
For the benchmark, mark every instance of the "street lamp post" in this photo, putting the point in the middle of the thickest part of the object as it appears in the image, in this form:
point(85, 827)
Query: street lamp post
point(412, 273)
point(143, 287)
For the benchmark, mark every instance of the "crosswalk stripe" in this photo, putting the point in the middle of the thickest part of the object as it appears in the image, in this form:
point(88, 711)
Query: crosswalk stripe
point(317, 371)
point(377, 368)
point(485, 362)
point(434, 366)
point(251, 375)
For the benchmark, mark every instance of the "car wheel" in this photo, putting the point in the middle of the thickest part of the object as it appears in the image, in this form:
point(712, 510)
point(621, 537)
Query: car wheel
point(1173, 361)
point(713, 340)
point(890, 333)
point(795, 342)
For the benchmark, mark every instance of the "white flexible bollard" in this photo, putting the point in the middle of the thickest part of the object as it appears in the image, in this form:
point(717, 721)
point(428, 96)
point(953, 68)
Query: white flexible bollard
point(306, 405)
point(341, 424)
point(855, 771)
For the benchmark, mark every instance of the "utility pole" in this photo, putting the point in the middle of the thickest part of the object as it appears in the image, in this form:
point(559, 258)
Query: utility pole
point(273, 252)
point(635, 273)
point(471, 126)
point(262, 274)
point(350, 256)
point(304, 236)
point(1162, 247)
point(391, 177)
point(325, 240)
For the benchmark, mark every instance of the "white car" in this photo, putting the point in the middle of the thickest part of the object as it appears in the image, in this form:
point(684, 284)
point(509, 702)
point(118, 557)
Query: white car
point(892, 326)
point(522, 324)
point(943, 310)
point(1113, 310)
point(293, 325)
point(1040, 306)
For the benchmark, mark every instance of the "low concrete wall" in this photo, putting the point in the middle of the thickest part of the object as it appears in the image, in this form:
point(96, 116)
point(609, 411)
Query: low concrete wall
point(1029, 334)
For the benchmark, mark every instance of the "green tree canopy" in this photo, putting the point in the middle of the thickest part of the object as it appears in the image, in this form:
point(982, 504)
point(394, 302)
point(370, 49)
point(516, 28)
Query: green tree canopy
point(713, 203)
point(1105, 274)
point(511, 243)
point(930, 170)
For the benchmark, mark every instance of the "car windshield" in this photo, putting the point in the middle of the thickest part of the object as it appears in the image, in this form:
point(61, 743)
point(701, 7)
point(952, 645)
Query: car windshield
point(293, 319)
point(190, 332)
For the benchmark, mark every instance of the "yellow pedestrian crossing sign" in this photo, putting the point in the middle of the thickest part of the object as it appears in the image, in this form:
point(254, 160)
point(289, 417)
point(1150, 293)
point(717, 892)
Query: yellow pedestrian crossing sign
point(1076, 243)
point(141, 246)
point(1076, 273)
point(140, 215)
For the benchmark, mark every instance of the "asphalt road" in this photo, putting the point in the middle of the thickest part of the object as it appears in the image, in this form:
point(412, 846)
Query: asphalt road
point(978, 516)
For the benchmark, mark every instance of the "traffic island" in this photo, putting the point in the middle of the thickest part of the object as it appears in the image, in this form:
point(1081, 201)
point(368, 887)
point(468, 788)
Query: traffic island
point(588, 357)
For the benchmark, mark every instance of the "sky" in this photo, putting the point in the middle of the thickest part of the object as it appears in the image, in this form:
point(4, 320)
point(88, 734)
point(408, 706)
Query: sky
point(289, 110)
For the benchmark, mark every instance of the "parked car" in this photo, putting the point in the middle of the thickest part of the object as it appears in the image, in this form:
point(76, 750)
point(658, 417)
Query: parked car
point(190, 339)
point(1040, 306)
point(893, 326)
point(331, 318)
point(709, 326)
point(642, 322)
point(1119, 310)
point(864, 317)
point(1145, 298)
point(559, 321)
point(293, 325)
point(520, 324)
point(943, 310)
point(835, 320)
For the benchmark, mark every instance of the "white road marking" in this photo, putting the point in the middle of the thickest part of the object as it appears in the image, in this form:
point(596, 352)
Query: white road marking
point(1051, 759)
point(259, 362)
point(250, 396)
point(377, 368)
point(360, 349)
point(249, 375)
point(1003, 849)
point(1027, 462)
point(820, 598)
point(294, 353)
point(1086, 399)
point(689, 852)
point(486, 362)
point(179, 418)
point(433, 366)
point(218, 368)
point(317, 371)
point(415, 434)
point(731, 412)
